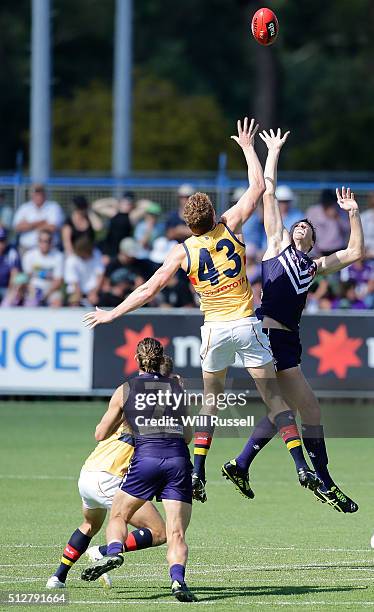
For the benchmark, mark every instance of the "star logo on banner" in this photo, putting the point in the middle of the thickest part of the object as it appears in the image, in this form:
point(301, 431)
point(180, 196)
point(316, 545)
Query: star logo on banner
point(336, 351)
point(128, 349)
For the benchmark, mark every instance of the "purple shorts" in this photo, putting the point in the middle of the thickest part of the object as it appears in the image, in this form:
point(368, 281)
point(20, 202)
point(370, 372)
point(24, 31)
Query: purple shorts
point(163, 478)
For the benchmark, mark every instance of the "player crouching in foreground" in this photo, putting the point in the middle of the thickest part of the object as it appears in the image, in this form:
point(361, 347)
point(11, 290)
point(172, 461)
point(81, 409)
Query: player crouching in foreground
point(160, 468)
point(287, 274)
point(99, 480)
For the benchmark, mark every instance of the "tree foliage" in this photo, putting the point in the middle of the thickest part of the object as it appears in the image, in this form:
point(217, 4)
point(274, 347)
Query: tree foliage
point(197, 70)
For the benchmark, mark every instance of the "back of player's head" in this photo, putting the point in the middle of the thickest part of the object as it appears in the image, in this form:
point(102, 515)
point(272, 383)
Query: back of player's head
point(167, 366)
point(293, 227)
point(150, 355)
point(198, 213)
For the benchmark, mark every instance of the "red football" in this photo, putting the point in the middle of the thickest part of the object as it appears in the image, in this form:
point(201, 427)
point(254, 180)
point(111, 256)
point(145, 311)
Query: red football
point(265, 26)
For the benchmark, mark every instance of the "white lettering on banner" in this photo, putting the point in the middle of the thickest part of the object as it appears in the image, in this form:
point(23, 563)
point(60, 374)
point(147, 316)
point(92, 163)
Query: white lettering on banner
point(44, 350)
point(183, 346)
point(370, 345)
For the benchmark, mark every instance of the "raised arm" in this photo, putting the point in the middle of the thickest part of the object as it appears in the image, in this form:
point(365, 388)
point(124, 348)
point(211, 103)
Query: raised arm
point(142, 294)
point(356, 247)
point(243, 209)
point(275, 231)
point(113, 416)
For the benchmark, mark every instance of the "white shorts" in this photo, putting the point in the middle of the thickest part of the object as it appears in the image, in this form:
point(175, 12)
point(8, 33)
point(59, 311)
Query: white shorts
point(97, 489)
point(222, 341)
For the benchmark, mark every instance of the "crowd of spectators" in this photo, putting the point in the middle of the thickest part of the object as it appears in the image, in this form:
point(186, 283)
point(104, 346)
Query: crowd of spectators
point(99, 253)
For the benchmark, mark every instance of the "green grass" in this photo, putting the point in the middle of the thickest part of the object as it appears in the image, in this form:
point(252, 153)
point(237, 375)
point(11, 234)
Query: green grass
point(283, 550)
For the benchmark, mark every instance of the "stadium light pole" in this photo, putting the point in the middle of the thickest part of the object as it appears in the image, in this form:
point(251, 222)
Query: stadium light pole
point(40, 98)
point(121, 151)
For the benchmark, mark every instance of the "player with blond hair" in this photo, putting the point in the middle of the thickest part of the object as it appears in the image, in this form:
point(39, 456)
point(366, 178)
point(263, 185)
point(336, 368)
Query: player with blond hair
point(214, 260)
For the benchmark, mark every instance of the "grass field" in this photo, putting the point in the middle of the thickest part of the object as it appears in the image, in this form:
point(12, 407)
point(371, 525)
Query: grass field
point(282, 550)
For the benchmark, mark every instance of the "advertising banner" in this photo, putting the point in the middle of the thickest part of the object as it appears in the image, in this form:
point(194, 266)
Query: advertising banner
point(44, 350)
point(338, 349)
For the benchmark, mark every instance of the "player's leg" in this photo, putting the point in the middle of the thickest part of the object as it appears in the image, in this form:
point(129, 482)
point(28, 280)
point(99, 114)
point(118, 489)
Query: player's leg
point(214, 384)
point(178, 514)
point(254, 349)
point(123, 508)
point(149, 530)
point(78, 543)
point(299, 395)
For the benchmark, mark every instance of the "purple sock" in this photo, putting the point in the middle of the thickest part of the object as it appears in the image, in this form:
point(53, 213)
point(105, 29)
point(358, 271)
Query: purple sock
point(262, 434)
point(103, 549)
point(114, 548)
point(177, 572)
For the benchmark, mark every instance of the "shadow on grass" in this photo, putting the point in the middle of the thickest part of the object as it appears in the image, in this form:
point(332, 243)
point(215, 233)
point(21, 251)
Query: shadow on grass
point(220, 592)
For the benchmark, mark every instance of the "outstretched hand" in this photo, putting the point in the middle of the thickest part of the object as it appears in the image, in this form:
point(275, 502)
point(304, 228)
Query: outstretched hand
point(246, 134)
point(346, 199)
point(274, 141)
point(91, 319)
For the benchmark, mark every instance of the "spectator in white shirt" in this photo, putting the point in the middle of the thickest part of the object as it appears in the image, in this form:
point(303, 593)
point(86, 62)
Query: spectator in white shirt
point(35, 215)
point(84, 272)
point(44, 266)
point(367, 219)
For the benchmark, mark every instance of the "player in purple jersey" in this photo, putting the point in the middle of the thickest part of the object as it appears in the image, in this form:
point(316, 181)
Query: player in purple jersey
point(287, 274)
point(153, 407)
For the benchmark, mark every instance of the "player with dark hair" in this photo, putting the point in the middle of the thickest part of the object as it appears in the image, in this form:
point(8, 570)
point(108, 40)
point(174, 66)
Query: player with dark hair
point(214, 260)
point(287, 274)
point(153, 407)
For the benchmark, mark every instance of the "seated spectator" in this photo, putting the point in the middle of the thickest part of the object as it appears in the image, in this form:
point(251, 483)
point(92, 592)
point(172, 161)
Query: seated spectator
point(77, 225)
point(6, 212)
point(17, 291)
point(176, 294)
point(84, 274)
point(367, 218)
point(148, 228)
point(121, 284)
point(9, 262)
point(176, 228)
point(362, 274)
point(160, 249)
point(348, 297)
point(120, 224)
point(128, 258)
point(44, 266)
point(331, 225)
point(286, 200)
point(36, 214)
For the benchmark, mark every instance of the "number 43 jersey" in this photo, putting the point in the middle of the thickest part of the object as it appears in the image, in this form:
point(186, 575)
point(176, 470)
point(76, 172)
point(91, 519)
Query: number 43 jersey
point(216, 269)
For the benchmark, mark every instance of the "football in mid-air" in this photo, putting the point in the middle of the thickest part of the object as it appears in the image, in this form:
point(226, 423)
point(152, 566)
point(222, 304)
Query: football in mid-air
point(265, 26)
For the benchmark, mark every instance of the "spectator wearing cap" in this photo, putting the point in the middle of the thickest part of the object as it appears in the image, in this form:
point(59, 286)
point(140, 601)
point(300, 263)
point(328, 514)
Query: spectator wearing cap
point(367, 218)
point(121, 223)
point(286, 200)
point(10, 262)
point(160, 249)
point(36, 214)
point(176, 228)
point(149, 227)
point(253, 230)
point(121, 284)
point(84, 274)
point(331, 224)
point(77, 225)
point(128, 257)
point(44, 266)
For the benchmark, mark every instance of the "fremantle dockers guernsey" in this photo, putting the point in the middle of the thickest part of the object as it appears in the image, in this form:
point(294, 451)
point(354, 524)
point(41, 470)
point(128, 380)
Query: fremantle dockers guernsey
point(286, 280)
point(216, 269)
point(153, 410)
